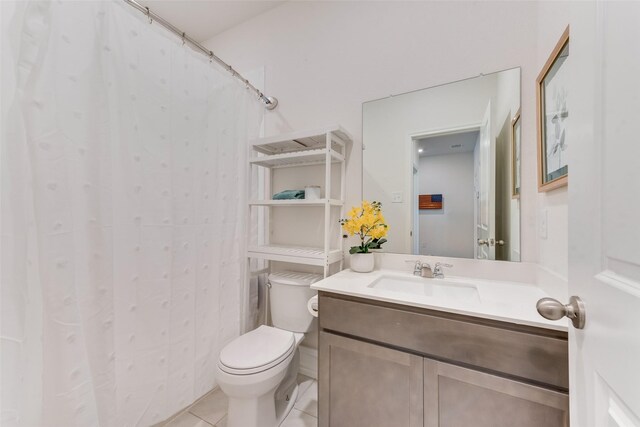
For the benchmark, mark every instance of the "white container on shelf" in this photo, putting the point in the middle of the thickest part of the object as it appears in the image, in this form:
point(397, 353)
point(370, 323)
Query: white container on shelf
point(312, 192)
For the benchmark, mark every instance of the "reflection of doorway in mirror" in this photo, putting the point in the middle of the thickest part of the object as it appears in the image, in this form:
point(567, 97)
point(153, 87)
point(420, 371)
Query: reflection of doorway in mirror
point(445, 165)
point(485, 167)
point(503, 191)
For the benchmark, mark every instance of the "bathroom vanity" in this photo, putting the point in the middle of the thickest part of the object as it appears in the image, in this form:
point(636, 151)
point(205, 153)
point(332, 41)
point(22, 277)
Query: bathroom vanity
point(398, 350)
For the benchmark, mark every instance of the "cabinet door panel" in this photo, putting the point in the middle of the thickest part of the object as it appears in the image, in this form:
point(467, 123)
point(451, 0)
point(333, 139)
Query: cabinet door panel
point(362, 384)
point(456, 396)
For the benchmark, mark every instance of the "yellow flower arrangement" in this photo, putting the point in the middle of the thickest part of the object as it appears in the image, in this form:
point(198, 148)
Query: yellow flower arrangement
point(367, 222)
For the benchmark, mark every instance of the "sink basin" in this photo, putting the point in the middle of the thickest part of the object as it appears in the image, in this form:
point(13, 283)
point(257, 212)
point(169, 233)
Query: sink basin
point(453, 289)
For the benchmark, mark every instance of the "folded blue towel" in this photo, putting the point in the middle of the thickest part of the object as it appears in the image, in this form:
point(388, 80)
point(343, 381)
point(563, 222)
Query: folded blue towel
point(289, 194)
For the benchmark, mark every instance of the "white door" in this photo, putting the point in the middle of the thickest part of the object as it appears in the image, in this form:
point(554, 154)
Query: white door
point(604, 213)
point(485, 181)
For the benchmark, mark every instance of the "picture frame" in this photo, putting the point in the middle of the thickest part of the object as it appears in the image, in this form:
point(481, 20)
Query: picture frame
point(430, 201)
point(553, 117)
point(516, 153)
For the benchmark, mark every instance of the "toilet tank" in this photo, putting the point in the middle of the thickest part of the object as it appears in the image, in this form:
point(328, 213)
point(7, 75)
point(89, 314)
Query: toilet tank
point(290, 291)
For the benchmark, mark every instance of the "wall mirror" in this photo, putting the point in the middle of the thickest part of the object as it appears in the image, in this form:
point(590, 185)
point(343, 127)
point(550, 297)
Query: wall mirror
point(445, 163)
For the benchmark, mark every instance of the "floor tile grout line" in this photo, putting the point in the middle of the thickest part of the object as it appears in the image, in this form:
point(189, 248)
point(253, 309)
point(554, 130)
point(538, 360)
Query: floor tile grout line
point(300, 396)
point(305, 412)
point(174, 417)
point(199, 417)
point(306, 389)
point(187, 409)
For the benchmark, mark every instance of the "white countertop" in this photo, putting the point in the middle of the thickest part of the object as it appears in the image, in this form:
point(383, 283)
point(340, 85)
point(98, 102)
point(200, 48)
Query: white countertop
point(506, 301)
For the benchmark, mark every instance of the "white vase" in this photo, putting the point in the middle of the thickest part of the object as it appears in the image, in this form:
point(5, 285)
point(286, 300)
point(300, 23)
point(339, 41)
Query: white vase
point(362, 263)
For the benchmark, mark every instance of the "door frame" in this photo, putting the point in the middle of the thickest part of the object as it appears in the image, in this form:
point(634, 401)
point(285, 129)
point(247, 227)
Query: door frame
point(412, 140)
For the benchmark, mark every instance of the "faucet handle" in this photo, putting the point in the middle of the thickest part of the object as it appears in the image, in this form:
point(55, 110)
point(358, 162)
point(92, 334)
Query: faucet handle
point(443, 264)
point(437, 269)
point(417, 268)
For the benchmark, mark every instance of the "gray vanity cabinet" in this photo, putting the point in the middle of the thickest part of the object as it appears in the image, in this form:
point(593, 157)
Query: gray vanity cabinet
point(369, 385)
point(388, 365)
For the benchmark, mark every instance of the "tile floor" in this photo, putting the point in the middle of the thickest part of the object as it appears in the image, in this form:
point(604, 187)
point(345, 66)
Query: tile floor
point(211, 409)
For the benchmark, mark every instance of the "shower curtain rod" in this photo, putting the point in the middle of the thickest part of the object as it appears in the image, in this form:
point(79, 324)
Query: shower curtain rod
point(269, 101)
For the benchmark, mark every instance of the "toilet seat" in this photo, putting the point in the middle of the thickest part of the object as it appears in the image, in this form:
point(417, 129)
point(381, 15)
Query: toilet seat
point(257, 351)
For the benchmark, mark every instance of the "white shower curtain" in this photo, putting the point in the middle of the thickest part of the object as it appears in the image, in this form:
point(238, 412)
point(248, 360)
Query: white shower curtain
point(123, 216)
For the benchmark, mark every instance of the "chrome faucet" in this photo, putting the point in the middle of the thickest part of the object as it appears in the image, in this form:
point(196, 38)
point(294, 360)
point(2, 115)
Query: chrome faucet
point(438, 272)
point(417, 269)
point(422, 269)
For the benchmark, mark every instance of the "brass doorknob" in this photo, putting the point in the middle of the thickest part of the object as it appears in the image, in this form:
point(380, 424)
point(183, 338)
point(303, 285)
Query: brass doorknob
point(553, 309)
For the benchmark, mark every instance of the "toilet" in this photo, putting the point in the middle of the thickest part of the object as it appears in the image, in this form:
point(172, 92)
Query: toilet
point(258, 370)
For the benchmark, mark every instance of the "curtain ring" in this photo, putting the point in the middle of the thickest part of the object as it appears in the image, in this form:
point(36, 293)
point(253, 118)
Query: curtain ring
point(210, 56)
point(183, 38)
point(149, 15)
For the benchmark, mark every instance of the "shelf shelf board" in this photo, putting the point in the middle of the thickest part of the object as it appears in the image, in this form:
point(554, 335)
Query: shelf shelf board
point(298, 158)
point(301, 140)
point(295, 254)
point(296, 202)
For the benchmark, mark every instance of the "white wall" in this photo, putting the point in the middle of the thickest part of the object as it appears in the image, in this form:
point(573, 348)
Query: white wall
point(507, 95)
point(448, 231)
point(324, 59)
point(553, 18)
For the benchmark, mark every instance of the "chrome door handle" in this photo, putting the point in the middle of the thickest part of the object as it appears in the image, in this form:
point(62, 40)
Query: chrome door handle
point(553, 309)
point(500, 242)
point(483, 242)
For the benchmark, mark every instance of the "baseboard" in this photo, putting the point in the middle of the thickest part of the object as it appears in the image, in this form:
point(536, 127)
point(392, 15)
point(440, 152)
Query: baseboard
point(308, 361)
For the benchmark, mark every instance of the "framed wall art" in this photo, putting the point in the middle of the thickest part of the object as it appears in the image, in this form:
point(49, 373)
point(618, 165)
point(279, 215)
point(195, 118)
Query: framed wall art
point(430, 201)
point(553, 118)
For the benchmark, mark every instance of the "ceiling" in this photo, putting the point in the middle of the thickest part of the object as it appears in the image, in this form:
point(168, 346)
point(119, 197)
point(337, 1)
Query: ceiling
point(204, 19)
point(447, 144)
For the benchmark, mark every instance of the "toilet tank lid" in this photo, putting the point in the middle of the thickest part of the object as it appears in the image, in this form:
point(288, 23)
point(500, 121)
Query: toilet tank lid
point(294, 278)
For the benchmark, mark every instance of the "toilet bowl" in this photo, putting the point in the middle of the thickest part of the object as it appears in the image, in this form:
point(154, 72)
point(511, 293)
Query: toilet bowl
point(258, 370)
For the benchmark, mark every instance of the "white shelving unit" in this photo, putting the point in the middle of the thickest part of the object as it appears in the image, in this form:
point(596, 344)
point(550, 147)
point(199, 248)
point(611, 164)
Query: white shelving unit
point(325, 146)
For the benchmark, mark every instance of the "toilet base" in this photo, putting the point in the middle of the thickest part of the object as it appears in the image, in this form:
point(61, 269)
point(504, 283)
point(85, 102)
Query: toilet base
point(261, 412)
point(270, 408)
point(284, 407)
